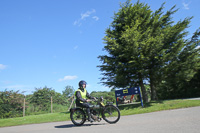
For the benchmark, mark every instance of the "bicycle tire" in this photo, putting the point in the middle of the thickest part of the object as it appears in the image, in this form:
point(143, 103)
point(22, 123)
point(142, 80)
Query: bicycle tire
point(111, 112)
point(78, 117)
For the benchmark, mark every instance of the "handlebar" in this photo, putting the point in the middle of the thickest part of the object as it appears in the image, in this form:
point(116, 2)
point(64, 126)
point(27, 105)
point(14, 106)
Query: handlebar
point(96, 99)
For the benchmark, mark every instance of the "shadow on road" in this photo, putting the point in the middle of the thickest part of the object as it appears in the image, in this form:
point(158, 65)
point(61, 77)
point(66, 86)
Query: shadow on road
point(72, 125)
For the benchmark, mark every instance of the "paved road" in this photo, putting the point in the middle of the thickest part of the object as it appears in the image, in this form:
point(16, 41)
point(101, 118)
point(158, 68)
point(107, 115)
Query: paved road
point(173, 121)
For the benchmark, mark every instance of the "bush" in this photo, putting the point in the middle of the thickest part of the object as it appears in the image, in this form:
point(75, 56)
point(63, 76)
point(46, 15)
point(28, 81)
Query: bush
point(11, 104)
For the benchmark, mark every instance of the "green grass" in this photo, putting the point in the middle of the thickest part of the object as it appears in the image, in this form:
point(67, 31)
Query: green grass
point(130, 109)
point(157, 106)
point(42, 118)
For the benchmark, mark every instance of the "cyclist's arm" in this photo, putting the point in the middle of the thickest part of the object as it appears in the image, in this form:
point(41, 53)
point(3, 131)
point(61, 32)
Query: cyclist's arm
point(89, 96)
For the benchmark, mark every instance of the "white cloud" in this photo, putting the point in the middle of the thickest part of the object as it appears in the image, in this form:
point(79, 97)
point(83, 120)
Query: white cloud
point(2, 66)
point(186, 5)
point(67, 78)
point(85, 15)
point(78, 23)
point(96, 18)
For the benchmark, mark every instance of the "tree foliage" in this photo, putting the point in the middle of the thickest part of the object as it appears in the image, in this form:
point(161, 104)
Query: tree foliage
point(68, 91)
point(10, 104)
point(143, 45)
point(42, 98)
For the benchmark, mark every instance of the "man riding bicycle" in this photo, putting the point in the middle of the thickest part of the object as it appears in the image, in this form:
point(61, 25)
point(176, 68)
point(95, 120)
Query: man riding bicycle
point(81, 98)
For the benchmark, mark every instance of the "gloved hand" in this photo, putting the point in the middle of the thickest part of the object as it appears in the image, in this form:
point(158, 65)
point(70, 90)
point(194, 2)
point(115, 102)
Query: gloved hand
point(88, 100)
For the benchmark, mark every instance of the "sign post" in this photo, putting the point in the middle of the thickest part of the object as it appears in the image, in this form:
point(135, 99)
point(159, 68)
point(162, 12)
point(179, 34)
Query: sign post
point(128, 91)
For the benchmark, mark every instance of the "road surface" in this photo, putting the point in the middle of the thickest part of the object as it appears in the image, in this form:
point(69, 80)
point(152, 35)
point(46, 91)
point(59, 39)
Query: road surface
point(185, 120)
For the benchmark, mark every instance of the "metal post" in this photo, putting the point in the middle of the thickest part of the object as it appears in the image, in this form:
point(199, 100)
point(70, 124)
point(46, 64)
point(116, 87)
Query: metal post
point(140, 96)
point(116, 98)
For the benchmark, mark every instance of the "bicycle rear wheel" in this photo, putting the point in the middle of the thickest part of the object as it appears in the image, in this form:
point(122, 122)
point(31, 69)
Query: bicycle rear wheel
point(111, 114)
point(78, 117)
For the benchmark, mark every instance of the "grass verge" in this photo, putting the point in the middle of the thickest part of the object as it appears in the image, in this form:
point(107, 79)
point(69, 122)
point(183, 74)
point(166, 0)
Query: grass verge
point(130, 109)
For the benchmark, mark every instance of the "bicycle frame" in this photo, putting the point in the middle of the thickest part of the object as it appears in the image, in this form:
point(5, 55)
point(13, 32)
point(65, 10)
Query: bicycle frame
point(98, 108)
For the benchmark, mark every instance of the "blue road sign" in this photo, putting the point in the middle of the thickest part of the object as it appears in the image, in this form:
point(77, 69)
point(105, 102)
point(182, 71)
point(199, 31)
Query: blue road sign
point(128, 91)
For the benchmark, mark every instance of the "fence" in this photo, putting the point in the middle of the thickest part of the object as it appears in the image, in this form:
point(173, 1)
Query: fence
point(18, 106)
point(69, 105)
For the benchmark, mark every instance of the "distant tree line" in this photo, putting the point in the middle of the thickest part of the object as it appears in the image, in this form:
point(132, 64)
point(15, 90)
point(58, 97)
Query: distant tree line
point(11, 102)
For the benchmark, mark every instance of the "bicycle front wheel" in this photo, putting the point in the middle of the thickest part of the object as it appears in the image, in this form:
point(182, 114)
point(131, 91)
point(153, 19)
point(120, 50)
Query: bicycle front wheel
point(111, 114)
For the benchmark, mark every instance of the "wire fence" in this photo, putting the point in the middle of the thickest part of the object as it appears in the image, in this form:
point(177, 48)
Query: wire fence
point(30, 108)
point(22, 106)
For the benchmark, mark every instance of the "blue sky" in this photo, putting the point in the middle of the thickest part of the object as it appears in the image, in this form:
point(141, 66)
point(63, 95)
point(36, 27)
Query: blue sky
point(56, 43)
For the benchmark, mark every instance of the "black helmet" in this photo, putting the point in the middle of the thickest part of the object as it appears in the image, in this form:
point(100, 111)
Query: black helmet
point(81, 83)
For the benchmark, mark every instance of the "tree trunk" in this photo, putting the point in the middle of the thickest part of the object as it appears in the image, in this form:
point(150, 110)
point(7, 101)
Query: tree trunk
point(144, 92)
point(153, 89)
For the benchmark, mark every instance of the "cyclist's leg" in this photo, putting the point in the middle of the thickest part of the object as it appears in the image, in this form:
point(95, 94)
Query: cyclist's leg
point(86, 105)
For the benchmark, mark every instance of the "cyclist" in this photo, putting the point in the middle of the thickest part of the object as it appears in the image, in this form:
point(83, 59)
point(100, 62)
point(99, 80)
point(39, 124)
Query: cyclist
point(81, 98)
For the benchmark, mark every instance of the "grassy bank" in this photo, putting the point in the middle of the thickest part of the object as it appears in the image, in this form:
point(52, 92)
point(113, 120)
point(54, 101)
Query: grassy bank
point(124, 109)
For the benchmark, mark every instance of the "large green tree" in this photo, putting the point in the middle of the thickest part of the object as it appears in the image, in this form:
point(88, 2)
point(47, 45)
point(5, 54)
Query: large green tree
point(68, 91)
point(142, 45)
